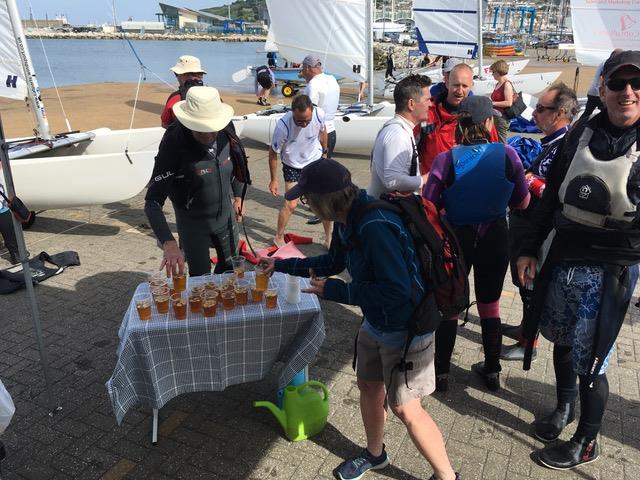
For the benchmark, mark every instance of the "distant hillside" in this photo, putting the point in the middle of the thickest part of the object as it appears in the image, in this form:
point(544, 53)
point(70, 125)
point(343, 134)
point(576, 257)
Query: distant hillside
point(248, 10)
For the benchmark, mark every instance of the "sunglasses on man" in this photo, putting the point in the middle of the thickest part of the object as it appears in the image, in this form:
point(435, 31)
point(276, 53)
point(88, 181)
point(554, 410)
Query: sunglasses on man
point(541, 108)
point(619, 84)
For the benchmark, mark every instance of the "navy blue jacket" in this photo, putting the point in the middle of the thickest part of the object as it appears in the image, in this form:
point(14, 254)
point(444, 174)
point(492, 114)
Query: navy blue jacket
point(386, 280)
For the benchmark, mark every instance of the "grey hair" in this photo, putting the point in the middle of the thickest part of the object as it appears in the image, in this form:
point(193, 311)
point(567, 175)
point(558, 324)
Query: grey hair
point(565, 99)
point(329, 206)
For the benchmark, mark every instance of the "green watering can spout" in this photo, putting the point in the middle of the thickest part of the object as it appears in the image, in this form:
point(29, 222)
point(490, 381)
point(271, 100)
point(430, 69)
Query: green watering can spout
point(280, 415)
point(304, 410)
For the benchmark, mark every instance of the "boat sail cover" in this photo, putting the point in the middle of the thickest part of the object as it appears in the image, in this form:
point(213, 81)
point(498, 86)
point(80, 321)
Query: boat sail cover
point(447, 27)
point(601, 26)
point(332, 29)
point(12, 81)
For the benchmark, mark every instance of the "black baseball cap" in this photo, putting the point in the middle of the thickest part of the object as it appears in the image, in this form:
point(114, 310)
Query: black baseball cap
point(479, 106)
point(622, 59)
point(322, 176)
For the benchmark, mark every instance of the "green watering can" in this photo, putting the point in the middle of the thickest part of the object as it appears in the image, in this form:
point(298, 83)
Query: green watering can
point(304, 411)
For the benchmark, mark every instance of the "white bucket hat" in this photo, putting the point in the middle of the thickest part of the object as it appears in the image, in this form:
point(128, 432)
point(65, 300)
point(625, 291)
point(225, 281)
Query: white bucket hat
point(187, 64)
point(203, 111)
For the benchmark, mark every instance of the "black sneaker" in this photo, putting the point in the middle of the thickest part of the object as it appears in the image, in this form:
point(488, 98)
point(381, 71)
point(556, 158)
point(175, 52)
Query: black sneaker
point(433, 477)
point(549, 428)
point(355, 468)
point(516, 352)
point(566, 455)
point(313, 221)
point(491, 380)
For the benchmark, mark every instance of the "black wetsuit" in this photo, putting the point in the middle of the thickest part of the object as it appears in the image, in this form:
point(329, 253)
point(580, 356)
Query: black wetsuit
point(199, 182)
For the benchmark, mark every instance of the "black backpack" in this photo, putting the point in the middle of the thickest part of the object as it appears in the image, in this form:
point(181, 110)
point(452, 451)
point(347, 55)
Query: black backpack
point(440, 257)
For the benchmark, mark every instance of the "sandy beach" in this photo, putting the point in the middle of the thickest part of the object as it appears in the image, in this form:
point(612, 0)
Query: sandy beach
point(111, 104)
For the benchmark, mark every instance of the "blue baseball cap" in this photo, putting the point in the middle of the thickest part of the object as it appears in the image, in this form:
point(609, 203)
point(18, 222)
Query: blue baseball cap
point(322, 176)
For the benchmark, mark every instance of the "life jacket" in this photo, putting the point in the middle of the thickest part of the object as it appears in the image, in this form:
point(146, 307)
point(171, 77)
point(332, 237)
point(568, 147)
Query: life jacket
point(594, 192)
point(480, 191)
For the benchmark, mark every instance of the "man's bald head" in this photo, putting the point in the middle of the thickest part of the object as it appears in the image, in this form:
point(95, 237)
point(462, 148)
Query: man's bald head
point(459, 83)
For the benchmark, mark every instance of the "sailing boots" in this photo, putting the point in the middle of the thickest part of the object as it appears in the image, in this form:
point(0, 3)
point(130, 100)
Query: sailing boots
point(548, 429)
point(566, 455)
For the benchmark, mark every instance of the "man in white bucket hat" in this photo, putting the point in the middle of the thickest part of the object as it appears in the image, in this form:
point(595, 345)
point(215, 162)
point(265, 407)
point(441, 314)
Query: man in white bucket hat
point(196, 167)
point(189, 73)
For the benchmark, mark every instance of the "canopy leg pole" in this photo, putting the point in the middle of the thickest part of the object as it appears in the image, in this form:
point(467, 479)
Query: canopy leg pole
point(24, 260)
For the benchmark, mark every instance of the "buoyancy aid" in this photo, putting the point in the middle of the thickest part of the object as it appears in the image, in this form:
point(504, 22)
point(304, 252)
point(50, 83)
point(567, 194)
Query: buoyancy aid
point(594, 192)
point(480, 191)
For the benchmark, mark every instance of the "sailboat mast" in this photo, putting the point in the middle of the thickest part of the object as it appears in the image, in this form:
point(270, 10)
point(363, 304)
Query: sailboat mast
point(480, 67)
point(368, 33)
point(29, 74)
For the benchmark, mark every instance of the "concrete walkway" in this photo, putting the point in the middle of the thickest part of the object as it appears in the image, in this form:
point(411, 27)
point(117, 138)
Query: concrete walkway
point(218, 434)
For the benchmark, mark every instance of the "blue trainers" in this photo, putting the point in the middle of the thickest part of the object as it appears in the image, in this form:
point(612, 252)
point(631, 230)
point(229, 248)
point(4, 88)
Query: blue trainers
point(355, 468)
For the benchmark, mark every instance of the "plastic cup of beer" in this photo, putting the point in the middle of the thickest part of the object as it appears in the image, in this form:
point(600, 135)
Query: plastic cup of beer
point(161, 297)
point(228, 299)
point(179, 304)
point(209, 304)
point(271, 297)
point(257, 294)
point(195, 301)
point(199, 289)
point(179, 282)
point(228, 281)
point(209, 282)
point(262, 277)
point(143, 303)
point(157, 279)
point(242, 292)
point(239, 267)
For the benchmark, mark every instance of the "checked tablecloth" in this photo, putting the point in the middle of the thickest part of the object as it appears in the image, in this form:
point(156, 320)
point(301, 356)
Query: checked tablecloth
point(162, 358)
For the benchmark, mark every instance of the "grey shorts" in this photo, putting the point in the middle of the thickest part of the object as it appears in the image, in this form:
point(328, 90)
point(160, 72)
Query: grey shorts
point(375, 362)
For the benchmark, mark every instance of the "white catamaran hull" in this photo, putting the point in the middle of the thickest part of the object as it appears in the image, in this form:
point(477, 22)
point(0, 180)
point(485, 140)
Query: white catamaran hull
point(355, 133)
point(92, 172)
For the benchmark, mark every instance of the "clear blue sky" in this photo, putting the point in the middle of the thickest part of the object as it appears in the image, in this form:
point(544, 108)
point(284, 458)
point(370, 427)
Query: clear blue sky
point(80, 12)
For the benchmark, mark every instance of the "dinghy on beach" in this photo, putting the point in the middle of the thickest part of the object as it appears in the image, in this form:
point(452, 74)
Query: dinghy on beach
point(69, 169)
point(356, 125)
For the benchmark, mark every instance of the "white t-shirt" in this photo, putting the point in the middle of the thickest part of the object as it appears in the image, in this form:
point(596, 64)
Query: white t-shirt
point(296, 145)
point(324, 92)
point(594, 88)
point(391, 159)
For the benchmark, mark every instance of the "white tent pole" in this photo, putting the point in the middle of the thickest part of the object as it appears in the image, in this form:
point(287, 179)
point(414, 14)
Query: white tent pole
point(480, 47)
point(24, 260)
point(368, 32)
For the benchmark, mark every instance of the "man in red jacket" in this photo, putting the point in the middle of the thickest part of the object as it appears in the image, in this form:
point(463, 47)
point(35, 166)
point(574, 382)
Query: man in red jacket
point(439, 135)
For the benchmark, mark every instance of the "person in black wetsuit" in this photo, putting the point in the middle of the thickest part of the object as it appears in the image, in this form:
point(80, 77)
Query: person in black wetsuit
point(583, 290)
point(194, 169)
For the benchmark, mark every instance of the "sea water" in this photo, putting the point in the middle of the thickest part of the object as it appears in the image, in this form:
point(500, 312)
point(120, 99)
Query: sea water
point(76, 62)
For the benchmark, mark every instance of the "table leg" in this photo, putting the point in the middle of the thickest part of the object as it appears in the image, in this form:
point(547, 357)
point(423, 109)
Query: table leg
point(154, 432)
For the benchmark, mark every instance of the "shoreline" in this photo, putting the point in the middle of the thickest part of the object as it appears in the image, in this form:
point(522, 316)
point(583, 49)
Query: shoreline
point(48, 35)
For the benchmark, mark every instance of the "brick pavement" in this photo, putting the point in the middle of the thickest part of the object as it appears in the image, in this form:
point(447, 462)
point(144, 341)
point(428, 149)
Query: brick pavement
point(219, 434)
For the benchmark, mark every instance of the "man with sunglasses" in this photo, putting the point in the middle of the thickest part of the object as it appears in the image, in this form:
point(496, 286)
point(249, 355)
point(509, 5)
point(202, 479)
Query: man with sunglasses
point(553, 114)
point(583, 290)
point(300, 137)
